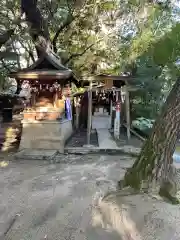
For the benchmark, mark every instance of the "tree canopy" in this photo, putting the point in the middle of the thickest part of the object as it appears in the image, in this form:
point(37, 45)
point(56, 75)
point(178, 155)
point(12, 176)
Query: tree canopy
point(91, 36)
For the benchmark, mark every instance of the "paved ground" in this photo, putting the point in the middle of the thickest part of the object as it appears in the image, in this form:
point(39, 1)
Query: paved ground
point(54, 201)
point(122, 141)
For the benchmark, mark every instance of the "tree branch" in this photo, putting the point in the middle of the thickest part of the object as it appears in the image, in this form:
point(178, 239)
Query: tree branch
point(31, 55)
point(69, 20)
point(5, 66)
point(6, 36)
point(78, 54)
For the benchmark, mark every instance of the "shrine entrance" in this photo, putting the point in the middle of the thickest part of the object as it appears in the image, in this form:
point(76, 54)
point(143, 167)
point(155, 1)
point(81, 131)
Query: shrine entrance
point(104, 115)
point(110, 104)
point(100, 107)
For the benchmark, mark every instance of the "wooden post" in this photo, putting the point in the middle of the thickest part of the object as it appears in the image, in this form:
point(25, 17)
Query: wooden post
point(77, 112)
point(55, 97)
point(33, 99)
point(117, 94)
point(89, 113)
point(127, 113)
point(111, 109)
point(117, 118)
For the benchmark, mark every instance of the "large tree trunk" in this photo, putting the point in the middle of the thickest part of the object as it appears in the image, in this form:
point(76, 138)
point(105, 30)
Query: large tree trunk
point(38, 26)
point(156, 155)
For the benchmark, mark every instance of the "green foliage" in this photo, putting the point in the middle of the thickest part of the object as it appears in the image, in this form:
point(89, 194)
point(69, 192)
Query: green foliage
point(149, 33)
point(144, 125)
point(154, 48)
point(96, 36)
point(148, 95)
point(167, 49)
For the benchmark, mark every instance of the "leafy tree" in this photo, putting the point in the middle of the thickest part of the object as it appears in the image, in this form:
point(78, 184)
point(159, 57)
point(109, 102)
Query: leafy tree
point(156, 156)
point(147, 98)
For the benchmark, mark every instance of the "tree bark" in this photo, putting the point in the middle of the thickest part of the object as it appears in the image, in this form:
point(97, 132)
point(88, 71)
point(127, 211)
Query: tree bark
point(156, 155)
point(38, 27)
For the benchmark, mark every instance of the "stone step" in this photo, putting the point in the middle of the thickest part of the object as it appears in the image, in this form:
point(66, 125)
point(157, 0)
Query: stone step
point(49, 143)
point(36, 154)
point(49, 138)
point(100, 114)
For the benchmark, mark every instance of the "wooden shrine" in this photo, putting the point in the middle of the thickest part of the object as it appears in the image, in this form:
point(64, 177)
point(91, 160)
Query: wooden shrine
point(46, 124)
point(121, 85)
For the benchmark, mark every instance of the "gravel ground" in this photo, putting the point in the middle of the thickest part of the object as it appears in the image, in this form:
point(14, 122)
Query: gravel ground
point(55, 201)
point(133, 141)
point(48, 201)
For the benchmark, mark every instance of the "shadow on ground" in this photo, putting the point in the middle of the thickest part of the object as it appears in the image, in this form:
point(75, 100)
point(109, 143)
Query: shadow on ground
point(57, 201)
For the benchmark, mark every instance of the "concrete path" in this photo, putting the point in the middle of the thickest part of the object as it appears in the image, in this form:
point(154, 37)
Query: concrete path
point(101, 123)
point(105, 139)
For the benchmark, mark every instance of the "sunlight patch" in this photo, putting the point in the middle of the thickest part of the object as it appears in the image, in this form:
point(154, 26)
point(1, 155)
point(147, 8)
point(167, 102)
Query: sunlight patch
point(4, 164)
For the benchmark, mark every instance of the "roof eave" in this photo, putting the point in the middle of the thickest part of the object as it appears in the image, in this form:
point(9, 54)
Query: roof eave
point(43, 74)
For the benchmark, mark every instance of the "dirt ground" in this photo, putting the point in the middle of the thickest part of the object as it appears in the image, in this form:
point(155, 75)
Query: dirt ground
point(55, 201)
point(47, 201)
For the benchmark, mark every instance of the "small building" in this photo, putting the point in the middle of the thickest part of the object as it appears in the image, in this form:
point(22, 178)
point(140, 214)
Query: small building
point(47, 118)
point(119, 87)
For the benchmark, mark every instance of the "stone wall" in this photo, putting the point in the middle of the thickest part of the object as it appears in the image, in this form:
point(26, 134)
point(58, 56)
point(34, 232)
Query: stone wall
point(45, 134)
point(66, 129)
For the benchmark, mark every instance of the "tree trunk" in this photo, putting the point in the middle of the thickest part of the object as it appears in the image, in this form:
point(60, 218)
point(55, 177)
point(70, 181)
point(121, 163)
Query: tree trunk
point(38, 26)
point(156, 155)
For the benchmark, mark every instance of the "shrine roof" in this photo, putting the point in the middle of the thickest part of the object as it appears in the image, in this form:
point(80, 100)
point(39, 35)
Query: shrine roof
point(118, 80)
point(48, 65)
point(122, 78)
point(42, 74)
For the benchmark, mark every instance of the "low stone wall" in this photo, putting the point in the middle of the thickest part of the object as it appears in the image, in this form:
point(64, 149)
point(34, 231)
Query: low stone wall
point(45, 134)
